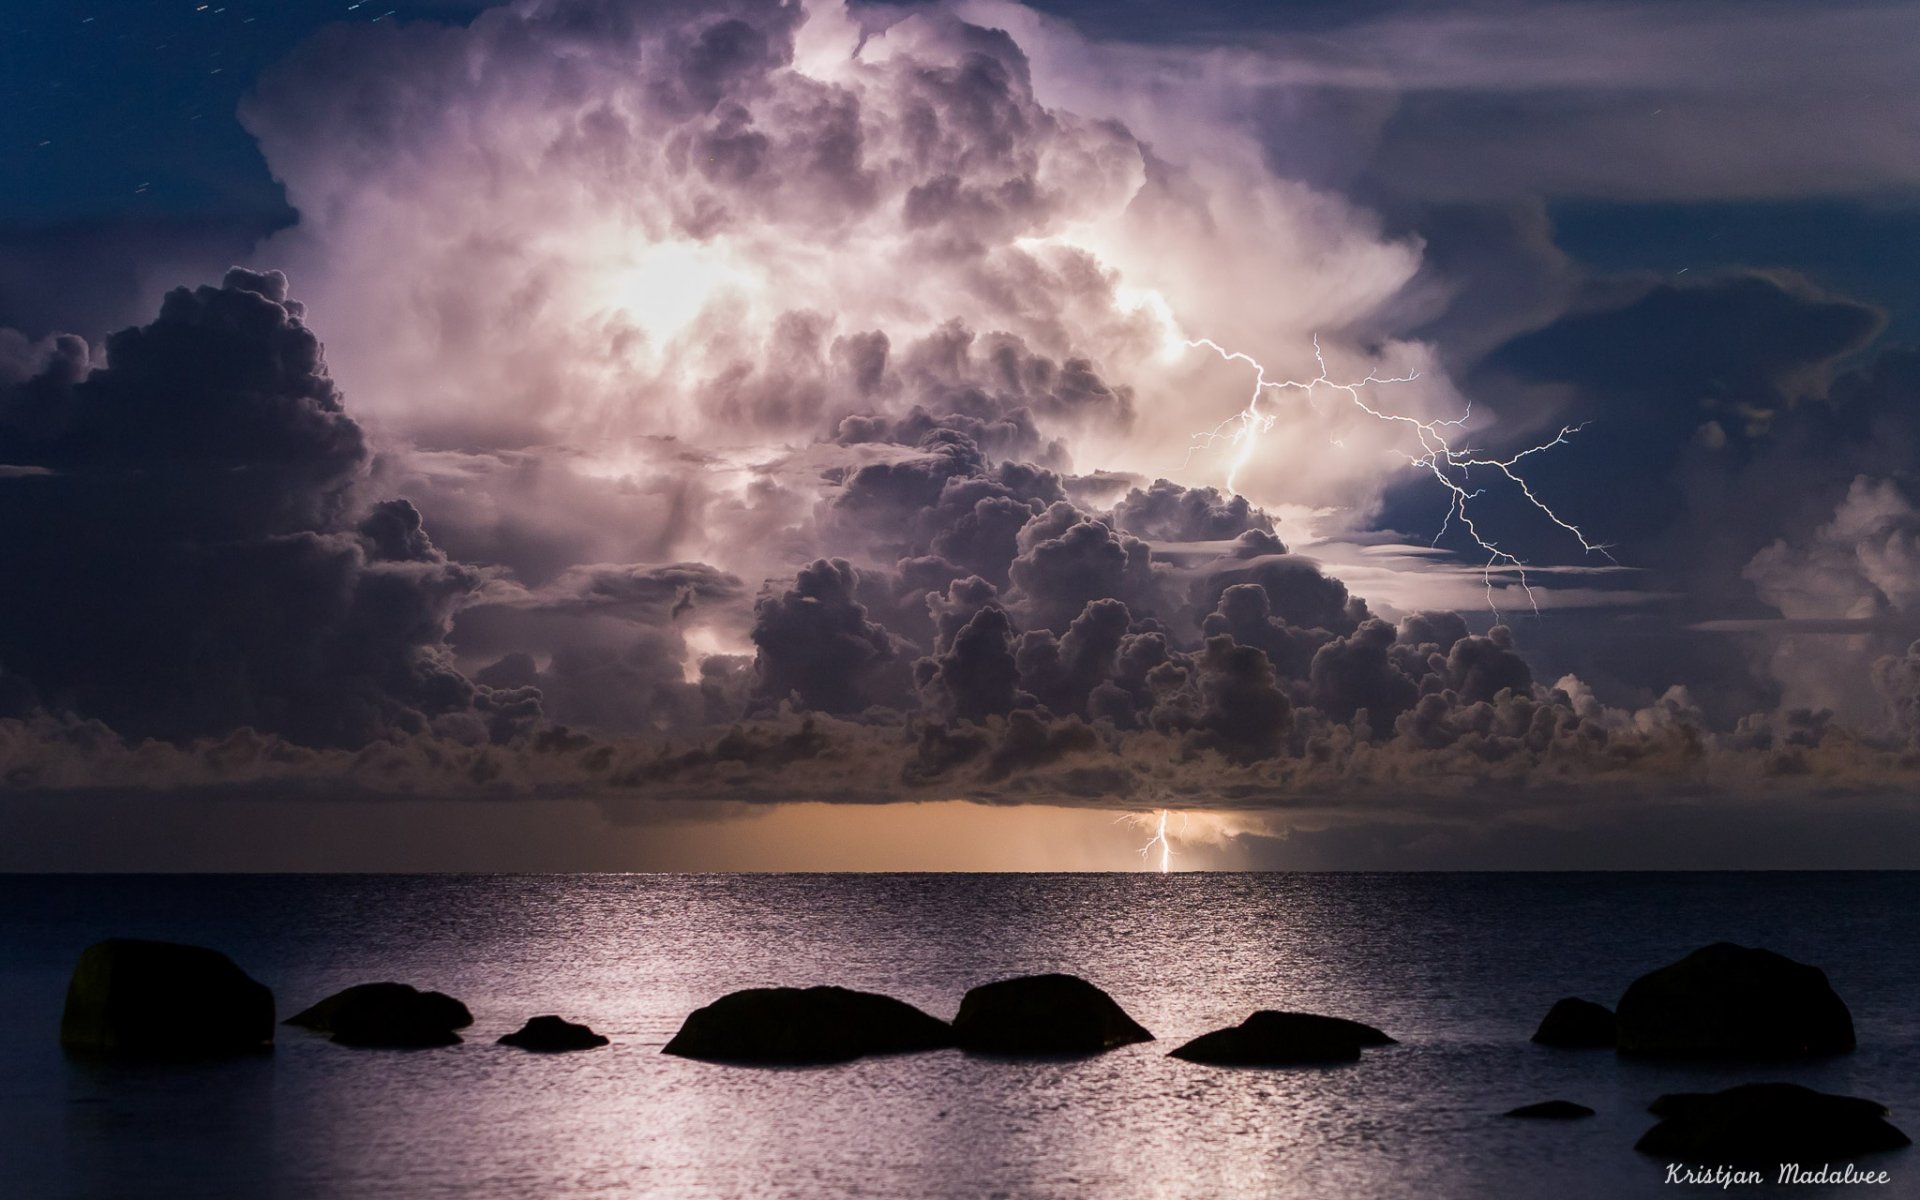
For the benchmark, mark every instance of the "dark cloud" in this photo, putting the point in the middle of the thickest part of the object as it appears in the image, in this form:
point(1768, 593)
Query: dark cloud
point(1675, 381)
point(1356, 672)
point(1480, 668)
point(817, 646)
point(637, 685)
point(976, 675)
point(1069, 559)
point(1245, 614)
point(888, 501)
point(217, 420)
point(1705, 349)
point(1062, 672)
point(1438, 630)
point(1715, 392)
point(983, 538)
point(1146, 669)
point(1012, 436)
point(1243, 712)
point(606, 643)
point(636, 591)
point(752, 750)
point(1029, 743)
point(994, 390)
point(187, 562)
point(1620, 100)
point(1297, 591)
point(1168, 512)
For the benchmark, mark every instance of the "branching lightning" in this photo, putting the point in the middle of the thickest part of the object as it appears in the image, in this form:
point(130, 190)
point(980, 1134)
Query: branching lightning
point(1159, 838)
point(1451, 465)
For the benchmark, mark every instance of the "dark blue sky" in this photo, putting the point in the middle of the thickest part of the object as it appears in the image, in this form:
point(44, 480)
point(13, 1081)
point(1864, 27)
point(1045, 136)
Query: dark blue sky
point(124, 109)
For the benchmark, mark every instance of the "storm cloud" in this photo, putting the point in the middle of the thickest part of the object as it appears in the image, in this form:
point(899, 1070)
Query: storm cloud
point(762, 401)
point(184, 553)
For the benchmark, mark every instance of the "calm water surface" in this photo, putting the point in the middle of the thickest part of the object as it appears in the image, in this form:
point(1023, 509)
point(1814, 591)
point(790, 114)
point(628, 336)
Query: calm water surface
point(1458, 967)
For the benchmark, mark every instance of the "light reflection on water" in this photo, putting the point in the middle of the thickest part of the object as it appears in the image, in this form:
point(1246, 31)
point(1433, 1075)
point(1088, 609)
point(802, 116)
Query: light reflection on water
point(1460, 968)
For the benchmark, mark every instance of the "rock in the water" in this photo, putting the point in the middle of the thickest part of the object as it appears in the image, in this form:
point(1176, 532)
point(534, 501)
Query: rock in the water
point(806, 1025)
point(1727, 1001)
point(1767, 1122)
point(1576, 1022)
point(551, 1035)
point(163, 999)
point(393, 1015)
point(1551, 1110)
point(1043, 1015)
point(1270, 1038)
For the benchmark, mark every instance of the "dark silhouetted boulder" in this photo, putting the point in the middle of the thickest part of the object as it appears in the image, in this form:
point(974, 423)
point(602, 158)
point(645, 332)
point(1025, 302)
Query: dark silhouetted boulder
point(393, 1015)
point(806, 1025)
point(1727, 1001)
point(161, 999)
point(551, 1035)
point(1043, 1015)
point(1578, 1023)
point(1551, 1110)
point(1270, 1038)
point(1767, 1123)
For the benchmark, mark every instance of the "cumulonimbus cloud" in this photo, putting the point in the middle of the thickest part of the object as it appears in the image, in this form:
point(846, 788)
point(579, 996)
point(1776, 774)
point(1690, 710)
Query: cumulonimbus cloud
point(784, 407)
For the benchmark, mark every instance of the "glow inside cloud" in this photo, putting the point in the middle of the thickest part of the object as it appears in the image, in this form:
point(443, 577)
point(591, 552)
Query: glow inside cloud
point(625, 241)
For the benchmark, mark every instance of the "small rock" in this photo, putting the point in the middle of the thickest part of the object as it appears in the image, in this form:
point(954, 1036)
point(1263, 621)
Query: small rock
point(553, 1035)
point(389, 1015)
point(804, 1026)
point(1270, 1038)
point(1551, 1110)
point(1767, 1122)
point(1043, 1015)
point(163, 999)
point(1574, 1022)
point(1727, 1001)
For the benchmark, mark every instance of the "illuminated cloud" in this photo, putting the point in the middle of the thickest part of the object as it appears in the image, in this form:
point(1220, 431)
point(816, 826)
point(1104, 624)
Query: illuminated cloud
point(761, 401)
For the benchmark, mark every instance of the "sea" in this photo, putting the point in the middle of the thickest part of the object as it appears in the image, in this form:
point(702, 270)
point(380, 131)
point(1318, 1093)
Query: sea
point(1458, 967)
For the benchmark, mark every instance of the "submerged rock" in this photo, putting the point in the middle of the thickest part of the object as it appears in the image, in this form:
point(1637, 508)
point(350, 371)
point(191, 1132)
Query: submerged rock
point(1551, 1110)
point(1767, 1122)
point(394, 1015)
point(1043, 1015)
point(1727, 1001)
point(163, 999)
point(1576, 1023)
point(1269, 1038)
point(552, 1035)
point(806, 1025)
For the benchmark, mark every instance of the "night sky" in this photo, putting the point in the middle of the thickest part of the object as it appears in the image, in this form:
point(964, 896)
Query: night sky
point(756, 434)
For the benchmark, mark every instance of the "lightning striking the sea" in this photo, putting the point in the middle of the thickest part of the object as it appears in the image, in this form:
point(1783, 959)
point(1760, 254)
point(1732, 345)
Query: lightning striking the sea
point(1160, 839)
point(1451, 466)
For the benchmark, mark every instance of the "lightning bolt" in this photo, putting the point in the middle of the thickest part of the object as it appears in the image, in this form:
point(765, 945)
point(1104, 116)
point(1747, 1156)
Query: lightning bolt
point(1451, 465)
point(1159, 838)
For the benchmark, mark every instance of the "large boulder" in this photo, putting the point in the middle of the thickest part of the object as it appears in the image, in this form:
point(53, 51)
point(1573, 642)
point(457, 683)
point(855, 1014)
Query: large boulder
point(163, 999)
point(785, 1025)
point(1551, 1110)
point(1043, 1015)
point(1574, 1022)
point(394, 1015)
point(1270, 1038)
point(1769, 1123)
point(552, 1035)
point(1727, 1001)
